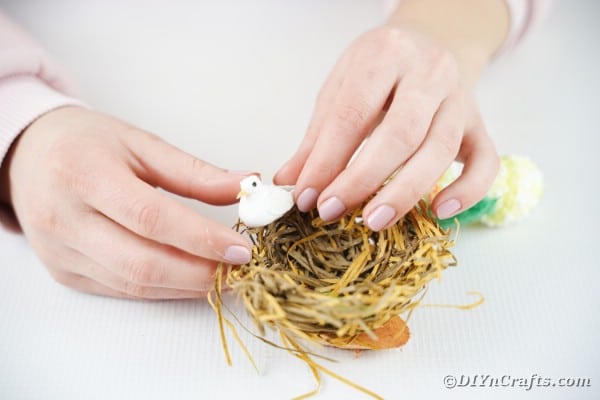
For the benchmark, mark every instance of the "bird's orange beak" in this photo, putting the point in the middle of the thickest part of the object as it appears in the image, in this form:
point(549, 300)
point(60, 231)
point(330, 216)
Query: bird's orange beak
point(241, 194)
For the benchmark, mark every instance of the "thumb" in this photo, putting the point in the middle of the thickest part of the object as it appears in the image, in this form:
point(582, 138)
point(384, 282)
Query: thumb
point(161, 164)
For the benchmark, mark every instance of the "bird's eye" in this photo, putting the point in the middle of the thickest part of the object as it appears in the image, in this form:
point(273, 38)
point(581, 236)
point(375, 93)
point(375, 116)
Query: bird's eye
point(254, 184)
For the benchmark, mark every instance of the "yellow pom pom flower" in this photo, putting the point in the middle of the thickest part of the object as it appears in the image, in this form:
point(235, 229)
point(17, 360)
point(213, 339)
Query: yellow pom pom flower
point(514, 194)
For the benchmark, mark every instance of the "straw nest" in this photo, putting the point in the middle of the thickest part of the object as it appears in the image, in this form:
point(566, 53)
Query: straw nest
point(340, 283)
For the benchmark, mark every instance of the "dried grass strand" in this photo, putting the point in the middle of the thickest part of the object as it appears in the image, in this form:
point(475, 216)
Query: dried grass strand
point(310, 277)
point(329, 282)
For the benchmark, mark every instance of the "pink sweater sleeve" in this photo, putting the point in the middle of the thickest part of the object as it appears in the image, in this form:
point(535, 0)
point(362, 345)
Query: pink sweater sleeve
point(30, 83)
point(524, 16)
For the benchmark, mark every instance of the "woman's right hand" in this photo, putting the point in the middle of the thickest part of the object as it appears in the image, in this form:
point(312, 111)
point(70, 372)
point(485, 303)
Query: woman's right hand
point(83, 187)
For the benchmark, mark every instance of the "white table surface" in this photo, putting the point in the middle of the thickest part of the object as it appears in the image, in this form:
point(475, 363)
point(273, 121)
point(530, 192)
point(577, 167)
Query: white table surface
point(234, 83)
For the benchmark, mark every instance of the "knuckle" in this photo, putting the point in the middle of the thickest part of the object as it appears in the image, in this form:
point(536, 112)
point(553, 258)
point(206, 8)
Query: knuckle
point(199, 174)
point(447, 62)
point(365, 187)
point(352, 118)
point(409, 129)
point(414, 194)
point(476, 190)
point(442, 66)
point(419, 103)
point(392, 38)
point(143, 272)
point(405, 195)
point(198, 166)
point(416, 103)
point(375, 71)
point(46, 219)
point(406, 140)
point(209, 241)
point(448, 146)
point(411, 196)
point(65, 169)
point(59, 161)
point(482, 182)
point(324, 170)
point(416, 120)
point(147, 218)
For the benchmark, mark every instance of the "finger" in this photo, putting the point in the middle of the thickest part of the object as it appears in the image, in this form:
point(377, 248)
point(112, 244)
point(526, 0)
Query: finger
point(352, 115)
point(144, 210)
point(392, 143)
point(141, 261)
point(481, 163)
point(79, 272)
point(106, 284)
point(422, 170)
point(104, 280)
point(62, 268)
point(86, 285)
point(161, 164)
point(289, 172)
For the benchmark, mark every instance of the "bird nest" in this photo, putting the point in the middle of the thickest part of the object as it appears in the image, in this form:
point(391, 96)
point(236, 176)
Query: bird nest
point(340, 283)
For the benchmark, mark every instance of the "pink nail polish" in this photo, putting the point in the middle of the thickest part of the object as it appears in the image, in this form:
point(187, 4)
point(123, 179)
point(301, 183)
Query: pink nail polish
point(379, 218)
point(237, 255)
point(448, 208)
point(331, 209)
point(307, 199)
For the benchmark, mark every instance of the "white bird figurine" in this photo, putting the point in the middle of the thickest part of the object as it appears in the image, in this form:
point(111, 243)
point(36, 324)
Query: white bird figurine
point(261, 204)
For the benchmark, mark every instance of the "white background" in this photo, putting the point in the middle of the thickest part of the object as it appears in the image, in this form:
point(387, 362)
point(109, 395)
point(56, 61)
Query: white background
point(233, 82)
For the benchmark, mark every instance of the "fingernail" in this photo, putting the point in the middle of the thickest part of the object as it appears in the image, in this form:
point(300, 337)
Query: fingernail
point(307, 199)
point(331, 209)
point(380, 217)
point(237, 255)
point(448, 208)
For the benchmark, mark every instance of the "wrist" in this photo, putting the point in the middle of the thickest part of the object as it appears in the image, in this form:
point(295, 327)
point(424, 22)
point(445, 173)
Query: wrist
point(24, 99)
point(471, 30)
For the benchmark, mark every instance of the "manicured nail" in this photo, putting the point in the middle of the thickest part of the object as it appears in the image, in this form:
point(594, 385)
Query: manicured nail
point(307, 199)
point(380, 217)
point(448, 208)
point(237, 255)
point(331, 208)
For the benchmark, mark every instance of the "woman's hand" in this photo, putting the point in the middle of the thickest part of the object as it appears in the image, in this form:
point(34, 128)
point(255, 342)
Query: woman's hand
point(83, 187)
point(406, 94)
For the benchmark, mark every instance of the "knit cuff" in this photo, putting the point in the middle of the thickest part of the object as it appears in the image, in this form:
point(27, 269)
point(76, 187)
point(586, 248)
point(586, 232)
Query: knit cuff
point(23, 99)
